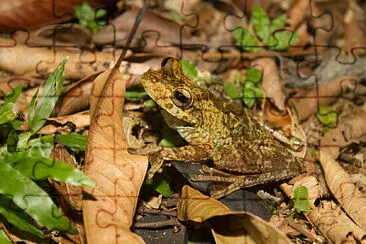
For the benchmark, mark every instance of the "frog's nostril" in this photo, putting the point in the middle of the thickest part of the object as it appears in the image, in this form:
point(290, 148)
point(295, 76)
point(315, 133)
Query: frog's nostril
point(165, 61)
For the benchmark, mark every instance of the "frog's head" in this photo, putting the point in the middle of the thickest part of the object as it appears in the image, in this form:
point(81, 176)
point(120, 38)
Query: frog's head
point(178, 96)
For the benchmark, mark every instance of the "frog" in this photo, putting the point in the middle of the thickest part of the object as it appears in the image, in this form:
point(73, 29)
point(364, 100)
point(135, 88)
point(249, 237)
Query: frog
point(244, 151)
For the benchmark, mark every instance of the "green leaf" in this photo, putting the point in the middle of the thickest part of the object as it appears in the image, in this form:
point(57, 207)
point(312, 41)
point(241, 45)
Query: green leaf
point(149, 104)
point(3, 238)
point(135, 95)
point(281, 40)
point(253, 75)
point(42, 168)
point(84, 12)
point(74, 141)
point(164, 189)
point(327, 116)
point(160, 185)
point(12, 141)
point(188, 68)
point(171, 138)
point(232, 90)
point(245, 40)
point(249, 97)
point(13, 94)
point(28, 196)
point(93, 26)
point(17, 217)
point(260, 22)
point(301, 199)
point(177, 16)
point(166, 143)
point(277, 23)
point(7, 113)
point(100, 13)
point(38, 114)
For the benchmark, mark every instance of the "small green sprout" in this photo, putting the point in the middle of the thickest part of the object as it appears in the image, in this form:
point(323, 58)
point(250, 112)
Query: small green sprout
point(89, 18)
point(327, 117)
point(271, 34)
point(301, 199)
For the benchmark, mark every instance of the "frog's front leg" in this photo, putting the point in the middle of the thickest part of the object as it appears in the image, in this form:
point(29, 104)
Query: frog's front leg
point(189, 153)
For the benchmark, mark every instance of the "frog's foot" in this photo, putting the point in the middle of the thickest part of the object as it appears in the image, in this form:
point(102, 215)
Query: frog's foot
point(156, 162)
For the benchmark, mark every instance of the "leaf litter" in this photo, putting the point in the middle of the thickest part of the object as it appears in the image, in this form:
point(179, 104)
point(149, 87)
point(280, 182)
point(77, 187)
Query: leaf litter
point(335, 213)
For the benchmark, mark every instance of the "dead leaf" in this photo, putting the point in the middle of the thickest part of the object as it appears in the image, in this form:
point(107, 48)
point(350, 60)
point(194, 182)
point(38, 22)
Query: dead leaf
point(271, 82)
point(226, 226)
point(118, 174)
point(307, 104)
point(351, 126)
point(339, 182)
point(80, 120)
point(42, 61)
point(336, 226)
point(70, 196)
point(25, 14)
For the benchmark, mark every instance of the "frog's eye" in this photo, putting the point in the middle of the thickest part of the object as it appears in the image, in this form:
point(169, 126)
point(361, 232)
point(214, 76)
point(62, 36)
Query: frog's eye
point(182, 98)
point(165, 61)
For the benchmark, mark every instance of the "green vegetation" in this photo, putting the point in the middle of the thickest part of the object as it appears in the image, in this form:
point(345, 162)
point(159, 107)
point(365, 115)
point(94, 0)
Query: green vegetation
point(327, 117)
point(90, 18)
point(301, 199)
point(25, 163)
point(268, 34)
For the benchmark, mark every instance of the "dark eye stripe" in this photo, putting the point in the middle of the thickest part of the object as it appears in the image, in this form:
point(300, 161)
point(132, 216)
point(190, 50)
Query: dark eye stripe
point(165, 61)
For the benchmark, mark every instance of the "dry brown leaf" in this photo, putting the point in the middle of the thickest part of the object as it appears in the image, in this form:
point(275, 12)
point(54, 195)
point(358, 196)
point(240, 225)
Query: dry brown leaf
point(351, 126)
point(336, 226)
point(80, 120)
point(307, 104)
point(339, 182)
point(151, 25)
point(10, 82)
point(70, 196)
point(226, 226)
point(25, 14)
point(271, 82)
point(75, 97)
point(118, 174)
point(42, 61)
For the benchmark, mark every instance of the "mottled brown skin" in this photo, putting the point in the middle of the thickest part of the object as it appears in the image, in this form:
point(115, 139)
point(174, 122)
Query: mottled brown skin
point(237, 144)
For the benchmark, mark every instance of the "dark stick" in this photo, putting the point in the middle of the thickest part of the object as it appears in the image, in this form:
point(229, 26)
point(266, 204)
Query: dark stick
point(138, 19)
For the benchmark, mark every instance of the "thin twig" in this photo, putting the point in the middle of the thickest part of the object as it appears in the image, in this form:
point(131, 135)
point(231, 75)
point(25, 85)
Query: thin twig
point(312, 237)
point(157, 225)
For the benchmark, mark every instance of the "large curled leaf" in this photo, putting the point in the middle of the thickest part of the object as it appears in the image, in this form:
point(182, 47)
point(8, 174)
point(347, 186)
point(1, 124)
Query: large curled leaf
point(29, 197)
point(40, 111)
point(118, 174)
point(226, 226)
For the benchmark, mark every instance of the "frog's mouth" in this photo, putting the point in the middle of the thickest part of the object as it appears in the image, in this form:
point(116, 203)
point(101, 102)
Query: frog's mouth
point(174, 122)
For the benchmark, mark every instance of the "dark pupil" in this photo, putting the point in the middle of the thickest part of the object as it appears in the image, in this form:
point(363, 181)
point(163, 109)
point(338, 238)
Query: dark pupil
point(180, 97)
